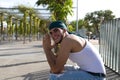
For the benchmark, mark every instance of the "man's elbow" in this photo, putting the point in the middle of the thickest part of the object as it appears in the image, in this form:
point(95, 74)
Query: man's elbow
point(56, 70)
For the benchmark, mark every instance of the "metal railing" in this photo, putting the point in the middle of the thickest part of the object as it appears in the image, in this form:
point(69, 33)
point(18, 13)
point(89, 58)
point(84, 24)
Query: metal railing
point(110, 44)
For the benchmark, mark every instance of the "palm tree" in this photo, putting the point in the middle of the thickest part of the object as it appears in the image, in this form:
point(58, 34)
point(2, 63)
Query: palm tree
point(25, 25)
point(95, 19)
point(43, 26)
point(28, 17)
point(1, 26)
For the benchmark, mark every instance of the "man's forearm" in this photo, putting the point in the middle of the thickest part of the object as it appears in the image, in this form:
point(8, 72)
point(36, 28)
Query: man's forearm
point(51, 58)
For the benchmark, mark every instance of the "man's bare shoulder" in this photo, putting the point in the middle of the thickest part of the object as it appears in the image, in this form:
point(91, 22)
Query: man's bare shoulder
point(74, 42)
point(69, 38)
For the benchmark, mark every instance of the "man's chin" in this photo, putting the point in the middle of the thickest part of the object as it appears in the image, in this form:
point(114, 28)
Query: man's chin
point(56, 42)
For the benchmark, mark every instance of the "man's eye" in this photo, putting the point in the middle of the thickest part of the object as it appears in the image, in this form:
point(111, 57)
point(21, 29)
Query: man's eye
point(55, 30)
point(50, 33)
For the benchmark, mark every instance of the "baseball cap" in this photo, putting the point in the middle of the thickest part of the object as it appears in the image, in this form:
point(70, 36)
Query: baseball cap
point(57, 24)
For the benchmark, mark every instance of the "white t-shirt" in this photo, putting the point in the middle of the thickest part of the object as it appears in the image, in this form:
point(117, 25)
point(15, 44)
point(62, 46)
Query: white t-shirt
point(88, 59)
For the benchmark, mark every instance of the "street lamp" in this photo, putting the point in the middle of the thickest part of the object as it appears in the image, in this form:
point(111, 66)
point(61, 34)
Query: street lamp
point(77, 18)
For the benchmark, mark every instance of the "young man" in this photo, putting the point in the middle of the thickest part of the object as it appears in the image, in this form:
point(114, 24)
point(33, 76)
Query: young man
point(89, 63)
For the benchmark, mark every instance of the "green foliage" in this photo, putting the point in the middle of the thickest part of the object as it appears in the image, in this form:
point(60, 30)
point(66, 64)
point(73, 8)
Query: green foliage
point(20, 30)
point(81, 24)
point(108, 15)
point(71, 28)
point(73, 23)
point(43, 27)
point(23, 8)
point(59, 8)
point(95, 18)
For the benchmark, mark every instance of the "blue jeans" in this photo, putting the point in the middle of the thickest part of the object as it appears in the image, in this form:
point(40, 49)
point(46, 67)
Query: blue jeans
point(72, 73)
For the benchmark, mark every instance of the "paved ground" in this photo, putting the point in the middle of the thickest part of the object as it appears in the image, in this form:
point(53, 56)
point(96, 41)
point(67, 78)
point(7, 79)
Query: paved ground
point(18, 60)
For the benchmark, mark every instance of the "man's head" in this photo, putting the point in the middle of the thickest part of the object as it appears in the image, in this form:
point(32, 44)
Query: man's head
point(57, 31)
point(57, 24)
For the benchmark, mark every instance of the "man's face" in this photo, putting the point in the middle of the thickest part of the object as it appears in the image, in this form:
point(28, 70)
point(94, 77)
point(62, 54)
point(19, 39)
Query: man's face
point(57, 34)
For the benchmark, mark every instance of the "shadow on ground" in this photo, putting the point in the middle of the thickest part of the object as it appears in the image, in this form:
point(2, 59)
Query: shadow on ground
point(43, 75)
point(24, 63)
point(112, 75)
point(40, 75)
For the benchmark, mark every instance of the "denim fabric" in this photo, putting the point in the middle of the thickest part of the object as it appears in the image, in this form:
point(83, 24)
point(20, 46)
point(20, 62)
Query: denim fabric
point(73, 73)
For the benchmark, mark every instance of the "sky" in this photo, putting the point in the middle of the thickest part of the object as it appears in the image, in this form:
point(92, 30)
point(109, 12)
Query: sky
point(84, 6)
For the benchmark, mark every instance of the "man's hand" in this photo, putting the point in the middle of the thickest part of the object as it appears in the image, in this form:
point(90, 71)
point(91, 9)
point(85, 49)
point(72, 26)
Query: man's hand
point(47, 42)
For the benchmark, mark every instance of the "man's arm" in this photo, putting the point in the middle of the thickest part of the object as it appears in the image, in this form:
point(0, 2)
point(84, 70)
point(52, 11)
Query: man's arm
point(51, 58)
point(56, 63)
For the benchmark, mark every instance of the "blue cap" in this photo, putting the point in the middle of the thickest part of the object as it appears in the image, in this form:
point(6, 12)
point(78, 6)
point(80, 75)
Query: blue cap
point(57, 24)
